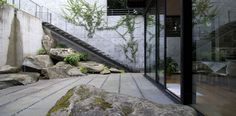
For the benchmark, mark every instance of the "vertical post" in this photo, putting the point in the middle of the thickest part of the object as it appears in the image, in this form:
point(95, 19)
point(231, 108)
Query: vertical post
point(145, 47)
point(186, 53)
point(19, 4)
point(36, 10)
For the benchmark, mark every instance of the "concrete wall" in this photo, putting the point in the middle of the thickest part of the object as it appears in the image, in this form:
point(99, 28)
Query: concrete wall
point(20, 35)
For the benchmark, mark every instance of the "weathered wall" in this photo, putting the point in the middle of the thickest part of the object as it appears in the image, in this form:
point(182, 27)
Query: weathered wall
point(20, 35)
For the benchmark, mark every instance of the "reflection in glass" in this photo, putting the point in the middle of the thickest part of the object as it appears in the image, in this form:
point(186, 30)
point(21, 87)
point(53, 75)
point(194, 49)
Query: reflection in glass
point(214, 61)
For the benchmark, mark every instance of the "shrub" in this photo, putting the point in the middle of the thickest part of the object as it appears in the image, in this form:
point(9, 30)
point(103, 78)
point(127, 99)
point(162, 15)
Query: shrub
point(83, 70)
point(61, 46)
point(2, 2)
point(72, 59)
point(41, 51)
point(83, 56)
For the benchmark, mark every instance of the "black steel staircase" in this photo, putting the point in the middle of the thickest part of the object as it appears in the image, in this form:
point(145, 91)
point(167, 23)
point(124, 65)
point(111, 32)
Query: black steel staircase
point(79, 43)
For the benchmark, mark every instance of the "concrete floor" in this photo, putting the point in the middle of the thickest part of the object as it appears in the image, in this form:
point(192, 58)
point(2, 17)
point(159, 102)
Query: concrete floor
point(36, 99)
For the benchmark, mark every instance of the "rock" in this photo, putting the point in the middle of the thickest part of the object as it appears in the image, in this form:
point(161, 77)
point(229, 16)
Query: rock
point(48, 43)
point(38, 62)
point(60, 53)
point(60, 70)
point(87, 100)
point(92, 67)
point(114, 70)
point(20, 78)
point(105, 71)
point(8, 69)
point(75, 72)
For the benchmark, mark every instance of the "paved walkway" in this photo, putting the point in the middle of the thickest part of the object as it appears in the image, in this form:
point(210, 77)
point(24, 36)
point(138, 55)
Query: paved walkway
point(36, 99)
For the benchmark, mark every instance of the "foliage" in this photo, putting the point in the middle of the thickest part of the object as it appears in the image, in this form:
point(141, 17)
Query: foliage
point(61, 103)
point(74, 58)
point(203, 11)
point(116, 4)
point(61, 46)
point(41, 51)
point(83, 70)
point(84, 14)
point(171, 66)
point(3, 2)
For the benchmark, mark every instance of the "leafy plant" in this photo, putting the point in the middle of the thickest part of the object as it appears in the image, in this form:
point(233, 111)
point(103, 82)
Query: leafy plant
point(73, 59)
point(84, 14)
point(203, 11)
point(83, 70)
point(3, 2)
point(41, 51)
point(171, 66)
point(61, 45)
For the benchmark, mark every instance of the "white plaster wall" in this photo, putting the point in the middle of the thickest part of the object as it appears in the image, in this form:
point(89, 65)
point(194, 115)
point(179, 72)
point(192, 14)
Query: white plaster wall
point(6, 19)
point(31, 33)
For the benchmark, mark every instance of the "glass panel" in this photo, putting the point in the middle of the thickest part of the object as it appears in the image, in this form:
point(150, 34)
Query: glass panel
point(151, 41)
point(161, 43)
point(214, 61)
point(173, 48)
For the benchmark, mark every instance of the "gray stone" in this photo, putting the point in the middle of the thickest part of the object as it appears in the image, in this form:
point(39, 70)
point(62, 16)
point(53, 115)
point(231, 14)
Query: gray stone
point(115, 70)
point(20, 78)
point(105, 71)
point(93, 67)
point(60, 53)
point(38, 62)
point(87, 100)
point(75, 72)
point(8, 69)
point(48, 43)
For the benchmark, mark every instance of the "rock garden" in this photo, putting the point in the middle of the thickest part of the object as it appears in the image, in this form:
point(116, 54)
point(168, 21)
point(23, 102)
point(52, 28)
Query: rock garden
point(52, 61)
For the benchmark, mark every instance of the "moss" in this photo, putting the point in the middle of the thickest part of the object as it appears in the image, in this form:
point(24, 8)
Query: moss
point(127, 110)
point(61, 103)
point(84, 93)
point(102, 103)
point(83, 70)
point(41, 51)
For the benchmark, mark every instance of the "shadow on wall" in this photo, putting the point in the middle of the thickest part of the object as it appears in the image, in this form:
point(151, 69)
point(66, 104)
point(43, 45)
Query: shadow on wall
point(15, 47)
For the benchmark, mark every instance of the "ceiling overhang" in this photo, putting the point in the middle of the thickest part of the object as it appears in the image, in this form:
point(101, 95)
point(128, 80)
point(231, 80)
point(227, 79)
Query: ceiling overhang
point(136, 3)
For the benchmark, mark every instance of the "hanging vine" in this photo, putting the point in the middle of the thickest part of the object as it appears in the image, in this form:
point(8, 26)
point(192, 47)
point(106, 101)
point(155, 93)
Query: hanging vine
point(84, 14)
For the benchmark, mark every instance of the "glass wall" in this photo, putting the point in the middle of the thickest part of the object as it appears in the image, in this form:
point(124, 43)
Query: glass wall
point(151, 41)
point(214, 56)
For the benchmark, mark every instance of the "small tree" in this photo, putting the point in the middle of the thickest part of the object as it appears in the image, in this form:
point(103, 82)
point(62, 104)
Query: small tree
point(84, 14)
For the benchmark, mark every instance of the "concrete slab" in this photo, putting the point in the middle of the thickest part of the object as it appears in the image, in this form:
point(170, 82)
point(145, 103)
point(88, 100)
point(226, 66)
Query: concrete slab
point(128, 86)
point(150, 91)
point(112, 84)
point(99, 80)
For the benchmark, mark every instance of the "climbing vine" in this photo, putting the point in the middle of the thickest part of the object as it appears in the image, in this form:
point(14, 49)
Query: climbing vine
point(203, 11)
point(84, 14)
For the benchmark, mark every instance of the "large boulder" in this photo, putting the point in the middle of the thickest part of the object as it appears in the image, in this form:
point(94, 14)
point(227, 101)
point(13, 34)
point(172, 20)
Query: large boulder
point(87, 100)
point(60, 53)
point(93, 67)
point(48, 43)
point(38, 62)
point(105, 71)
point(8, 69)
point(115, 70)
point(74, 72)
point(19, 78)
point(57, 71)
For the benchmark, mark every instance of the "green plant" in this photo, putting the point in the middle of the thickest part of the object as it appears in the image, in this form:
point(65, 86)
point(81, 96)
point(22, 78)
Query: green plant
point(204, 11)
point(83, 70)
point(171, 66)
point(3, 2)
point(72, 59)
point(84, 14)
point(61, 45)
point(83, 56)
point(41, 51)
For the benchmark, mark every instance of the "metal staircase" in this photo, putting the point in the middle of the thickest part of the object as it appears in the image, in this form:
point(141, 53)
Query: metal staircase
point(64, 36)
